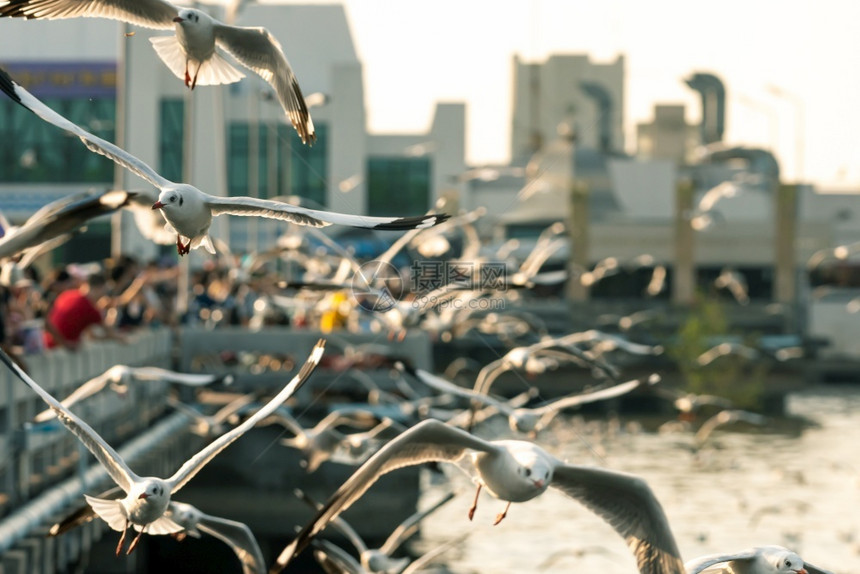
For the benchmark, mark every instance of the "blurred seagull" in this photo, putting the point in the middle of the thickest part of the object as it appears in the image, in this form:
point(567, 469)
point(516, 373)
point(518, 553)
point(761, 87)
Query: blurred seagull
point(234, 534)
point(723, 418)
point(147, 498)
point(192, 54)
point(758, 560)
point(528, 420)
point(380, 560)
point(119, 376)
point(211, 426)
point(727, 348)
point(514, 471)
point(54, 223)
point(189, 211)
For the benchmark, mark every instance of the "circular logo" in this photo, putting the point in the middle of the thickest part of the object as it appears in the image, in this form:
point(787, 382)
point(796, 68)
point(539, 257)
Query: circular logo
point(377, 286)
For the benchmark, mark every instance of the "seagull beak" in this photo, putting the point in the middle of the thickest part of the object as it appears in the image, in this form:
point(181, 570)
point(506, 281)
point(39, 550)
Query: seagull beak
point(538, 483)
point(802, 571)
point(157, 205)
point(178, 19)
point(143, 495)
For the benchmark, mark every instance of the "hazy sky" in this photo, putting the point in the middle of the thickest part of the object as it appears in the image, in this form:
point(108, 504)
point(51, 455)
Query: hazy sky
point(417, 52)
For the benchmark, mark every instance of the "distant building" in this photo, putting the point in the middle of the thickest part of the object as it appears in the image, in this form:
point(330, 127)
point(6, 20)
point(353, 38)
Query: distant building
point(550, 92)
point(242, 143)
point(667, 136)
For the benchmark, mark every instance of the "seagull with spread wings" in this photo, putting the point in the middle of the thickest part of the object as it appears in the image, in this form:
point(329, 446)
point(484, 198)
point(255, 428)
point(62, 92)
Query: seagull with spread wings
point(193, 52)
point(147, 498)
point(187, 210)
point(514, 471)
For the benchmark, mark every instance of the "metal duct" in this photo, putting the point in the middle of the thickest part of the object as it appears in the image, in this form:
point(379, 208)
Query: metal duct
point(603, 99)
point(713, 94)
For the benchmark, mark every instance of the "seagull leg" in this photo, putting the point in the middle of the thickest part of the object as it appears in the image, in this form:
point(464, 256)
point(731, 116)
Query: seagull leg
point(134, 542)
point(180, 248)
point(502, 514)
point(121, 539)
point(187, 76)
point(474, 506)
point(194, 83)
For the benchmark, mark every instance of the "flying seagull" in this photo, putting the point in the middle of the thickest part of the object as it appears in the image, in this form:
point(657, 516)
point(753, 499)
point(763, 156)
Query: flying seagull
point(192, 54)
point(514, 471)
point(147, 498)
point(758, 560)
point(189, 211)
point(119, 376)
point(58, 220)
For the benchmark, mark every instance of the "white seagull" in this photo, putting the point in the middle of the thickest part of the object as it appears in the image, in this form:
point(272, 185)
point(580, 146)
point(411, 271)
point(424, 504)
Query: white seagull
point(55, 222)
point(758, 560)
point(234, 534)
point(192, 54)
point(514, 471)
point(528, 420)
point(146, 498)
point(380, 560)
point(189, 211)
point(118, 377)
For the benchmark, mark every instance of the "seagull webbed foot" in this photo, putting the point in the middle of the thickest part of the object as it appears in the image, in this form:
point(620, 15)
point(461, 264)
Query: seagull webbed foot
point(502, 514)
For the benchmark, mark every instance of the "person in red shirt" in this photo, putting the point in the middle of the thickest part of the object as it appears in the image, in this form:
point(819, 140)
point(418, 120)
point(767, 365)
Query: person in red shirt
point(74, 312)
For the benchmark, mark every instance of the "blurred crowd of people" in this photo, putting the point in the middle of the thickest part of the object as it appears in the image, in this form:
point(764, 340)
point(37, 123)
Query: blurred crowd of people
point(67, 305)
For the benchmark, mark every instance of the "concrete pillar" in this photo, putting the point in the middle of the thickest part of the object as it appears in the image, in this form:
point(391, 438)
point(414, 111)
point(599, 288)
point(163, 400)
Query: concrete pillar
point(578, 233)
point(785, 234)
point(684, 276)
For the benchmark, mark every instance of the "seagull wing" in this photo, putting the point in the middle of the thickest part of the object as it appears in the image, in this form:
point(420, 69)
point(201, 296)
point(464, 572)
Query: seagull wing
point(427, 441)
point(237, 536)
point(252, 207)
point(258, 50)
point(628, 504)
point(410, 526)
point(88, 389)
point(159, 374)
point(335, 559)
point(425, 560)
point(83, 513)
point(591, 397)
point(104, 453)
point(193, 465)
point(815, 569)
point(93, 143)
point(447, 387)
point(156, 14)
point(704, 562)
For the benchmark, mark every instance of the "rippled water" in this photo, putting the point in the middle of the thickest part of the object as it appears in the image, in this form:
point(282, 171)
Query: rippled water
point(798, 489)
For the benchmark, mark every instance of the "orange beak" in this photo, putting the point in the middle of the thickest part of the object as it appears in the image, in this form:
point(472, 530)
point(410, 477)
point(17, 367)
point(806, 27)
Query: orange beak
point(178, 19)
point(157, 205)
point(143, 495)
point(538, 483)
point(802, 571)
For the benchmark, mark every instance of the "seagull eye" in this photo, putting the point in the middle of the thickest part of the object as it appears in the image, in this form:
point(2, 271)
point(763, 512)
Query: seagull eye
point(528, 472)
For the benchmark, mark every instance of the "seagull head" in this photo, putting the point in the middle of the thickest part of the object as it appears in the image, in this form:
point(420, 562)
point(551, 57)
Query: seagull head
point(168, 200)
point(789, 563)
point(534, 471)
point(150, 492)
point(188, 17)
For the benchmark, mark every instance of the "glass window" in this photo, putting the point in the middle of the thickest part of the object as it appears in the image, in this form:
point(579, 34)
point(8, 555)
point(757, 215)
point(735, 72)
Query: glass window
point(286, 166)
point(171, 143)
point(398, 186)
point(32, 150)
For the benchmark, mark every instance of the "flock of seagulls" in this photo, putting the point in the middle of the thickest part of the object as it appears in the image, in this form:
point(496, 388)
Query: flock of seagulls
point(439, 418)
